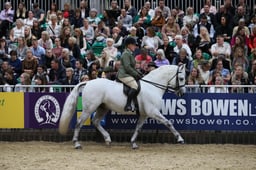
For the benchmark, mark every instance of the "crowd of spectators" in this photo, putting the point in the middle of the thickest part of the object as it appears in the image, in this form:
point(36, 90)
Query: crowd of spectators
point(67, 46)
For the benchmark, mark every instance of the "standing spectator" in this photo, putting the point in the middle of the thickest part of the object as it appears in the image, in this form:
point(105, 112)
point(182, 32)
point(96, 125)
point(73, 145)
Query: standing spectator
point(129, 8)
point(6, 19)
point(57, 73)
point(166, 10)
point(160, 58)
point(39, 13)
point(21, 12)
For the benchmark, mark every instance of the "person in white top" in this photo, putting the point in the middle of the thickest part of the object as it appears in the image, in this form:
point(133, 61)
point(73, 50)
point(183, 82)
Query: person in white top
point(17, 31)
point(213, 9)
point(29, 21)
point(180, 45)
point(215, 89)
point(220, 47)
point(53, 28)
point(190, 17)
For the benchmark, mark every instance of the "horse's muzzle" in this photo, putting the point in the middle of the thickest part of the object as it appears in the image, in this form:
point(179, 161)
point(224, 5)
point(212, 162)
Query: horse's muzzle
point(181, 92)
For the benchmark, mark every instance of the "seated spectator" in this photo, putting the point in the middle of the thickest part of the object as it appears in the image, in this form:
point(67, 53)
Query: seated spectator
point(182, 58)
point(17, 31)
point(105, 60)
point(224, 28)
point(57, 73)
point(64, 36)
point(212, 8)
point(37, 50)
point(239, 43)
point(89, 59)
point(126, 19)
point(218, 89)
point(241, 32)
point(93, 19)
point(252, 23)
point(203, 40)
point(3, 50)
point(142, 19)
point(252, 40)
point(40, 72)
point(68, 13)
point(67, 23)
point(67, 60)
point(80, 71)
point(28, 21)
point(168, 49)
point(6, 19)
point(39, 13)
point(118, 39)
point(131, 10)
point(29, 64)
point(220, 47)
point(15, 63)
point(180, 45)
point(78, 20)
point(45, 41)
point(40, 81)
point(210, 16)
point(36, 30)
point(142, 60)
point(239, 77)
point(22, 48)
point(110, 49)
point(198, 58)
point(151, 41)
point(195, 78)
point(158, 21)
point(88, 32)
point(102, 31)
point(9, 77)
point(24, 80)
point(52, 11)
point(57, 50)
point(20, 12)
point(204, 22)
point(239, 57)
point(47, 58)
point(170, 28)
point(74, 48)
point(53, 29)
point(242, 25)
point(204, 68)
point(70, 79)
point(190, 17)
point(151, 12)
point(160, 58)
point(80, 40)
point(240, 14)
point(225, 73)
point(252, 71)
point(28, 36)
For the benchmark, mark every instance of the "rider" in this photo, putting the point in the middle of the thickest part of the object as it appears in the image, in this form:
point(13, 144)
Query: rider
point(127, 72)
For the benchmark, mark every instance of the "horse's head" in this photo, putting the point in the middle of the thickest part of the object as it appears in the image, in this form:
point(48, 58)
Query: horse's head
point(179, 81)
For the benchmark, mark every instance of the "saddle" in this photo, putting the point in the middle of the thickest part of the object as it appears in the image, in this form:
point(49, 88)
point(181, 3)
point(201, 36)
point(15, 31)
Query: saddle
point(126, 90)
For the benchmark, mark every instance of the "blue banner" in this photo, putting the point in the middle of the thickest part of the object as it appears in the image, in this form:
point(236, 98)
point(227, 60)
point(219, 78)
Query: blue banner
point(198, 111)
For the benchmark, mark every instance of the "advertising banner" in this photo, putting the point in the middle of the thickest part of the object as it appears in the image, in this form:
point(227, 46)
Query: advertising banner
point(43, 110)
point(11, 110)
point(197, 111)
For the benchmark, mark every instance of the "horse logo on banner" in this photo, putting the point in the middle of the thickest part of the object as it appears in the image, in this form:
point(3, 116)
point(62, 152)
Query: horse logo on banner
point(47, 110)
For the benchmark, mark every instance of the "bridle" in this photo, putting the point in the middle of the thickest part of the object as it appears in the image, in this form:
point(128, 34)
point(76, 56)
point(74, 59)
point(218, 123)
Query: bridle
point(168, 88)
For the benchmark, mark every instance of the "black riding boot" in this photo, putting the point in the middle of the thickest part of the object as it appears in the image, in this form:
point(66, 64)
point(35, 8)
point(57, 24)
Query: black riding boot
point(130, 96)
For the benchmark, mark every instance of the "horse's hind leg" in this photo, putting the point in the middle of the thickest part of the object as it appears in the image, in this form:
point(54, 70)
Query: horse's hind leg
point(79, 124)
point(158, 116)
point(139, 125)
point(100, 113)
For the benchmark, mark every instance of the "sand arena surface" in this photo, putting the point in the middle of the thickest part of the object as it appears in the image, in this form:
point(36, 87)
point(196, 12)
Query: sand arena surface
point(96, 156)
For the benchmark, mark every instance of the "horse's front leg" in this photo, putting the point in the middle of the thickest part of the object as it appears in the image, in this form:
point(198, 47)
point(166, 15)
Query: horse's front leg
point(159, 117)
point(79, 125)
point(139, 125)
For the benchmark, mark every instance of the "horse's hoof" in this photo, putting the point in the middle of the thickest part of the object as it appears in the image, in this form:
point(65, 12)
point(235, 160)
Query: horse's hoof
point(135, 146)
point(108, 143)
point(180, 140)
point(78, 147)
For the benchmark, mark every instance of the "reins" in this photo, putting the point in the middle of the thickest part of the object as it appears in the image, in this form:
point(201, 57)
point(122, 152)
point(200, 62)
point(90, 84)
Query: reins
point(164, 87)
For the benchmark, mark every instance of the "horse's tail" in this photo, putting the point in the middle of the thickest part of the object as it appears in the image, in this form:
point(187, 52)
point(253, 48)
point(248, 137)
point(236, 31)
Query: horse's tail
point(69, 109)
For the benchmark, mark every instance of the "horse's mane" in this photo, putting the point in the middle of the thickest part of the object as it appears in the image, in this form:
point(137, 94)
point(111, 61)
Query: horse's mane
point(165, 69)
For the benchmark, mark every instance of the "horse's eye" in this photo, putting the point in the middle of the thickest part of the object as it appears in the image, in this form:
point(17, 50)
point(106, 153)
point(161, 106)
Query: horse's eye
point(181, 79)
